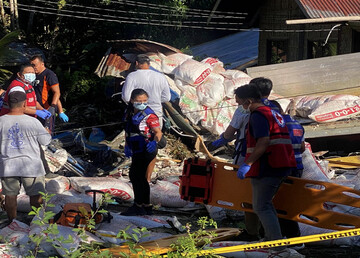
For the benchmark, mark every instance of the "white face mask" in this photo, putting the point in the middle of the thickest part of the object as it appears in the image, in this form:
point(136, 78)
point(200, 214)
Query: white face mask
point(29, 77)
point(243, 110)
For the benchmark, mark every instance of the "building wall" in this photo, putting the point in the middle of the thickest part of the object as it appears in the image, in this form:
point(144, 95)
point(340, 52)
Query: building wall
point(273, 16)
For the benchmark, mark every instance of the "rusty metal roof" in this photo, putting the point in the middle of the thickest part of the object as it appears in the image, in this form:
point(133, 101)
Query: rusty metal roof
point(118, 59)
point(329, 8)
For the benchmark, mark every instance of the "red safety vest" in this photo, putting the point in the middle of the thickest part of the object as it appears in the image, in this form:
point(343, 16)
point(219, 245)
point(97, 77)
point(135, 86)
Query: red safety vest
point(30, 96)
point(280, 153)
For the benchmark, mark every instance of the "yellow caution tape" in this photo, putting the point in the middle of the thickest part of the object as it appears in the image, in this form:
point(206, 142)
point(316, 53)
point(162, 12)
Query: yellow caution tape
point(284, 242)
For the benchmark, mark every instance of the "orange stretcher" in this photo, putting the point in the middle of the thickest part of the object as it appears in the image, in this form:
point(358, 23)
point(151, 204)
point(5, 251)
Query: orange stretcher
point(316, 203)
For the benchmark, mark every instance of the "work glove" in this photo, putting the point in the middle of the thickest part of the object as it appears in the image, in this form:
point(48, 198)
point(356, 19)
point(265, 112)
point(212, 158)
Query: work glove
point(220, 142)
point(127, 151)
point(243, 169)
point(52, 110)
point(43, 113)
point(151, 146)
point(64, 117)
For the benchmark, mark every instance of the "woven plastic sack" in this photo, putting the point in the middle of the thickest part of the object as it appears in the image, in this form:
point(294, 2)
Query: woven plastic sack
point(193, 72)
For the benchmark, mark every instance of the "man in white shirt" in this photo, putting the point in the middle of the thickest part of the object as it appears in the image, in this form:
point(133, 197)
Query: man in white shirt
point(154, 83)
point(20, 163)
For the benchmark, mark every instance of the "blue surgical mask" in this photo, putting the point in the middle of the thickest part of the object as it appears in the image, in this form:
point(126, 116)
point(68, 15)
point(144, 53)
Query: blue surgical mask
point(140, 106)
point(29, 77)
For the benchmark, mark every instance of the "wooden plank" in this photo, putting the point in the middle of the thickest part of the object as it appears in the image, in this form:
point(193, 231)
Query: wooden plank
point(320, 76)
point(162, 245)
point(346, 127)
point(345, 162)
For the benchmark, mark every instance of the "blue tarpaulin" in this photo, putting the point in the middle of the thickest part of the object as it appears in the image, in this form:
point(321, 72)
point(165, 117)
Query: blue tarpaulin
point(233, 50)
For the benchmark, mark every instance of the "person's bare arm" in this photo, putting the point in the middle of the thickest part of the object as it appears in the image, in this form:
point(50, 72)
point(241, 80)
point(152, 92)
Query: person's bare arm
point(60, 108)
point(56, 97)
point(30, 111)
point(260, 148)
point(229, 133)
point(158, 134)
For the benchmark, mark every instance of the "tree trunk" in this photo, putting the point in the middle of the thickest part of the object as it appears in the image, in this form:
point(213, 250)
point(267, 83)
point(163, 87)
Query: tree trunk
point(12, 15)
point(16, 14)
point(2, 13)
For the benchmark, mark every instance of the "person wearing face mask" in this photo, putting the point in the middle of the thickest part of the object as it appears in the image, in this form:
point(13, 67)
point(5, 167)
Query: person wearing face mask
point(235, 130)
point(152, 82)
point(269, 157)
point(25, 77)
point(143, 138)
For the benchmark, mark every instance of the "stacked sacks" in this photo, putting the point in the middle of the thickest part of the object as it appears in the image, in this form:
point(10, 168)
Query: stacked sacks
point(327, 108)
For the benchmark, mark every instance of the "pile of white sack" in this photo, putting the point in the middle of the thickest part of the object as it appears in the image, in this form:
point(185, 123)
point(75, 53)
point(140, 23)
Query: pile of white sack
point(206, 93)
point(205, 88)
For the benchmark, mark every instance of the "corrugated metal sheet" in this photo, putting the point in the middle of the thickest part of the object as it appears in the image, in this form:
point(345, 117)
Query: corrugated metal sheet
point(233, 50)
point(329, 8)
point(118, 59)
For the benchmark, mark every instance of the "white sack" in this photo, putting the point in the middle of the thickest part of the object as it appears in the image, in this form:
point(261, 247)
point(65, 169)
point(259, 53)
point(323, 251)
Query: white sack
point(166, 194)
point(225, 112)
point(189, 105)
point(16, 233)
point(193, 72)
point(337, 107)
point(9, 251)
point(155, 61)
point(234, 74)
point(230, 85)
point(211, 91)
point(108, 231)
point(170, 62)
point(216, 64)
point(55, 160)
point(172, 85)
point(59, 200)
point(312, 168)
point(116, 187)
point(327, 108)
point(57, 185)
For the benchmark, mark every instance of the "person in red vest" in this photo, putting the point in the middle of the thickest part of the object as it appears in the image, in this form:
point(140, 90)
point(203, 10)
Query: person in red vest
point(269, 157)
point(25, 77)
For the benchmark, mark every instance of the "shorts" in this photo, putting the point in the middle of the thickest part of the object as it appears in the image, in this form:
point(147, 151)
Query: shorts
point(33, 185)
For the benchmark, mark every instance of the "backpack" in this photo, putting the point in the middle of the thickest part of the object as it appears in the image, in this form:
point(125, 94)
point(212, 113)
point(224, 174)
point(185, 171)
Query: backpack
point(77, 214)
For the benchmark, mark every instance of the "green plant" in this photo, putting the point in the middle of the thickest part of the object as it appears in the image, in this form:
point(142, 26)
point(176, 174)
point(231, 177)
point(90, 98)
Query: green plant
point(49, 232)
point(194, 242)
point(132, 240)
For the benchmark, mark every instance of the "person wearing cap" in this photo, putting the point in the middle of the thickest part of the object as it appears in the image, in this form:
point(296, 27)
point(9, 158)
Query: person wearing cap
point(24, 78)
point(20, 163)
point(154, 83)
point(47, 90)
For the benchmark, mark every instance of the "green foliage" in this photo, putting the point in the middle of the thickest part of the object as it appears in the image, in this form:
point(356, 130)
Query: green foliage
point(192, 244)
point(50, 233)
point(132, 240)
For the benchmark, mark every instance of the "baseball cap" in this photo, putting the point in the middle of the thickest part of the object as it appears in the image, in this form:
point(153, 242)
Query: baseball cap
point(16, 95)
point(142, 58)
